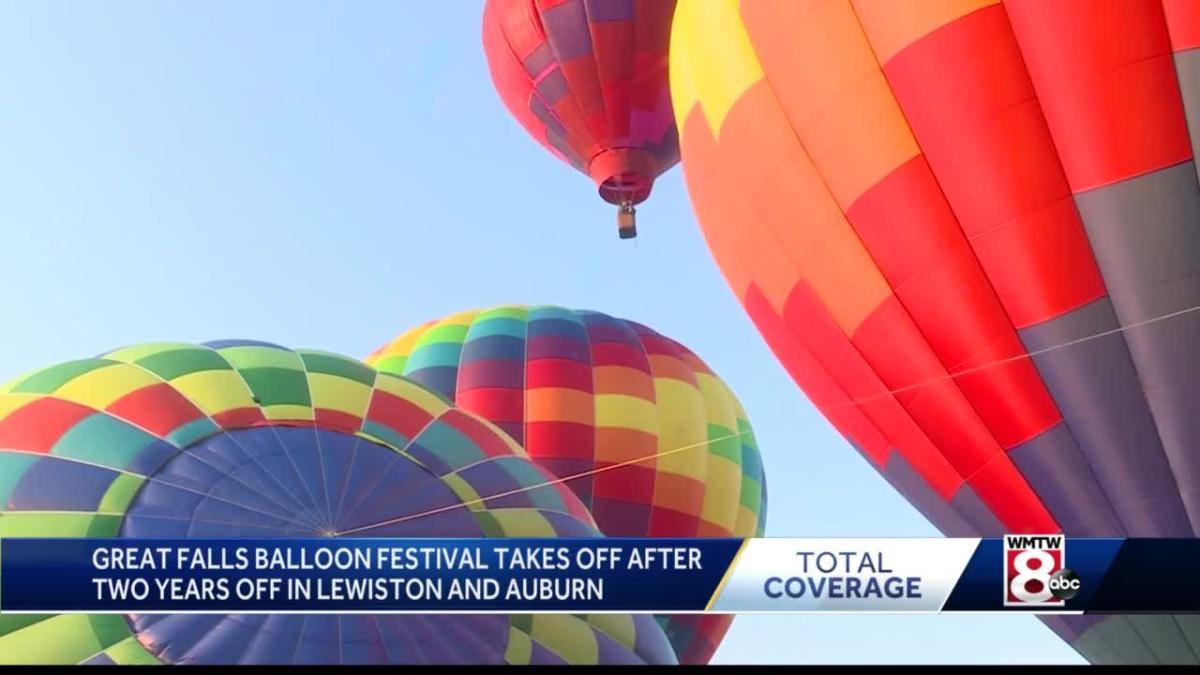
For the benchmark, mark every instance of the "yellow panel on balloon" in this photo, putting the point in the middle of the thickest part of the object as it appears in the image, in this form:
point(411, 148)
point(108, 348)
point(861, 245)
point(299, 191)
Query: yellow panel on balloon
point(287, 412)
point(566, 636)
point(718, 401)
point(100, 387)
point(522, 523)
point(710, 37)
point(413, 393)
point(334, 392)
point(680, 440)
point(626, 412)
point(721, 490)
point(215, 391)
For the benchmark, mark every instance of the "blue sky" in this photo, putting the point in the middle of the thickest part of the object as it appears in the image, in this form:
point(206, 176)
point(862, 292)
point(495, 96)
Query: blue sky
point(326, 174)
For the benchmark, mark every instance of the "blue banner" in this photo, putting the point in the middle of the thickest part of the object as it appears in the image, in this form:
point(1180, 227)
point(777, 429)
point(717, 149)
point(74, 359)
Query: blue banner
point(1026, 573)
point(349, 575)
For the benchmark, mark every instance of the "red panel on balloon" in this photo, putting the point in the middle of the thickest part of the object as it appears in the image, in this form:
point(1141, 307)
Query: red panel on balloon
point(158, 408)
point(37, 426)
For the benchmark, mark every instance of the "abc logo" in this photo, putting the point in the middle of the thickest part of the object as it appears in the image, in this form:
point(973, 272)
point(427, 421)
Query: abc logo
point(1064, 584)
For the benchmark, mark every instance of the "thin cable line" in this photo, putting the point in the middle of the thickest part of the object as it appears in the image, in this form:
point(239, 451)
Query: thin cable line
point(529, 488)
point(1019, 357)
point(592, 472)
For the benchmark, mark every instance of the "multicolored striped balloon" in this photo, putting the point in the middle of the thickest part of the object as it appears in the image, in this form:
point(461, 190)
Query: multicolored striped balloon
point(588, 80)
point(970, 229)
point(649, 438)
point(248, 439)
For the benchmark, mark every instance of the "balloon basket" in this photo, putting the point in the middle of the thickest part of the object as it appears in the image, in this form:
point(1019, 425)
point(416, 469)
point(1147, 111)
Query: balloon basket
point(627, 222)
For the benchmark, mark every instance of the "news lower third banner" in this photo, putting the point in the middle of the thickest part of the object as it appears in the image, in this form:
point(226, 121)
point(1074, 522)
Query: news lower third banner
point(1046, 574)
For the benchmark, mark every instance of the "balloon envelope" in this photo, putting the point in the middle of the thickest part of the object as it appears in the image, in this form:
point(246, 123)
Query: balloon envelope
point(247, 439)
point(970, 230)
point(588, 80)
point(648, 437)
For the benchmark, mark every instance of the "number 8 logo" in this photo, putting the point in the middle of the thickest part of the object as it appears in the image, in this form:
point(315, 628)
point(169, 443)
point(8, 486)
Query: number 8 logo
point(1025, 574)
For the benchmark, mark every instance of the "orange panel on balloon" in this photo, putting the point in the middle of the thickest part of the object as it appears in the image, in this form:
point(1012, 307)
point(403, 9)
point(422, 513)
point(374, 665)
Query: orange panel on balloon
point(678, 493)
point(615, 445)
point(823, 72)
point(671, 367)
point(893, 25)
point(551, 404)
point(732, 241)
point(779, 177)
point(622, 380)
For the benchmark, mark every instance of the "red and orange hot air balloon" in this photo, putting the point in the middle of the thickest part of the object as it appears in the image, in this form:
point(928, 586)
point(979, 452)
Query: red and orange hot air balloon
point(588, 79)
point(970, 229)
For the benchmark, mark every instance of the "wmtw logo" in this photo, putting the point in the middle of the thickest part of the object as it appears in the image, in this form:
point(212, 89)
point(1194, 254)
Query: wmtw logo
point(1035, 571)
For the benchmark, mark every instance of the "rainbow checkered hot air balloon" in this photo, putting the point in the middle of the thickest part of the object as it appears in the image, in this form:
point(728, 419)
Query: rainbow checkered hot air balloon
point(649, 438)
point(248, 439)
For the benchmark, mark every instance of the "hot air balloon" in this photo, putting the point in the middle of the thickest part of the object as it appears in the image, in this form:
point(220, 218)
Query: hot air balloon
point(588, 80)
point(970, 230)
point(652, 442)
point(247, 439)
